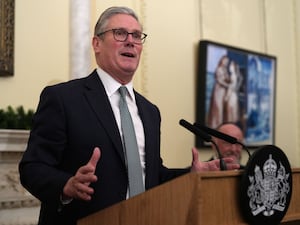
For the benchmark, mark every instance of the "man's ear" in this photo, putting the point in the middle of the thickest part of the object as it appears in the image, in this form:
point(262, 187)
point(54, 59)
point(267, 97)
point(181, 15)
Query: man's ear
point(96, 42)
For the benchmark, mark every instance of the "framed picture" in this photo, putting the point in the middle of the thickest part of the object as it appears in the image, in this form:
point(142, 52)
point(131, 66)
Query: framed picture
point(7, 19)
point(236, 85)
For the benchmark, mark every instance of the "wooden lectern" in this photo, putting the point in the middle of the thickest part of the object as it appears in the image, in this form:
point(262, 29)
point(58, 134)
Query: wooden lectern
point(207, 198)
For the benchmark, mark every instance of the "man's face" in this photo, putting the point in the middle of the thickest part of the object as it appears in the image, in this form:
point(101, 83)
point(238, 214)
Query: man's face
point(119, 59)
point(227, 149)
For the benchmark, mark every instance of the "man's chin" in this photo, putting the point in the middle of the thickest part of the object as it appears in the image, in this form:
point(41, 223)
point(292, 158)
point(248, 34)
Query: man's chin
point(129, 69)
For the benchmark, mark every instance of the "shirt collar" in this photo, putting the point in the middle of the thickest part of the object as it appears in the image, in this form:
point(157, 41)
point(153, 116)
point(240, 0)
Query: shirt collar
point(111, 85)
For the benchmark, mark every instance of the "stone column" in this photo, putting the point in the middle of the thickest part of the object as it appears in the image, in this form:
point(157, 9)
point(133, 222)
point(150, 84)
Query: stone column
point(80, 38)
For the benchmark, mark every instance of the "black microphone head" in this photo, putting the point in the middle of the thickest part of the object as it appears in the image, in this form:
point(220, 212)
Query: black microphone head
point(195, 130)
point(222, 136)
point(217, 134)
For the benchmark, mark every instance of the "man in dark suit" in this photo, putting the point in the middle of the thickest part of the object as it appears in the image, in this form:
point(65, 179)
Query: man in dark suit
point(74, 163)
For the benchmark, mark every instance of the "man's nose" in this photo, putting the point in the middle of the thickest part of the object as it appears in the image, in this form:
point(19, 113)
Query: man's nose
point(236, 147)
point(130, 38)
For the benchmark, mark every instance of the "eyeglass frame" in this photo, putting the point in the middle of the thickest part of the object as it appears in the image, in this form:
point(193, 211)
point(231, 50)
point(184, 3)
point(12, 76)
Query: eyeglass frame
point(142, 39)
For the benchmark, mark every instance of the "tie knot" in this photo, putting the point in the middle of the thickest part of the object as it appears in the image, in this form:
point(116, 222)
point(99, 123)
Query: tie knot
point(123, 91)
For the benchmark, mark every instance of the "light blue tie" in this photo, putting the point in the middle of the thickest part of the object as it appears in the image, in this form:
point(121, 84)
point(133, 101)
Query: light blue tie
point(134, 167)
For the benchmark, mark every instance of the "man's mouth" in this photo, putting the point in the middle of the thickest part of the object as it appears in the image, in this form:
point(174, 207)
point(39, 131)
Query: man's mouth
point(128, 54)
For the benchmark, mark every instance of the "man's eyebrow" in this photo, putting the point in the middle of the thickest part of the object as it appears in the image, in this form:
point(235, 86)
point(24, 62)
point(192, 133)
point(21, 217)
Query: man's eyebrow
point(123, 28)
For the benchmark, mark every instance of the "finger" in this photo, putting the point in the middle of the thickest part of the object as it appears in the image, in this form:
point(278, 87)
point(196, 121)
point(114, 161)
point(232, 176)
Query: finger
point(83, 196)
point(234, 166)
point(214, 165)
point(83, 188)
point(228, 160)
point(82, 191)
point(73, 187)
point(85, 175)
point(195, 162)
point(195, 155)
point(85, 170)
point(231, 165)
point(95, 157)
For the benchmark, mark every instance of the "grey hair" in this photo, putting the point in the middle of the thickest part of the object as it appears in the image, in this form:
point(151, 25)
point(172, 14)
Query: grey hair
point(108, 13)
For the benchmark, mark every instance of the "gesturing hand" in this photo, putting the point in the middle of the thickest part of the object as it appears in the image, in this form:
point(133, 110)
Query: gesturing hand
point(78, 186)
point(211, 165)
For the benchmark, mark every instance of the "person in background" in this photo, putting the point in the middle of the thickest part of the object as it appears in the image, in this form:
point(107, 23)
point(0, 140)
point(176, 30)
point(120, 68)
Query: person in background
point(227, 149)
point(75, 162)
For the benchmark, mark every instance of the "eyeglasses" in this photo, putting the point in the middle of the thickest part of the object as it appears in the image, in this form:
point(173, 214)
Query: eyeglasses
point(121, 34)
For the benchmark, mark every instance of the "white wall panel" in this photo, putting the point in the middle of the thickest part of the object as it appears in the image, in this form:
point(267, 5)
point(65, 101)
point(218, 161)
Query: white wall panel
point(235, 22)
point(282, 43)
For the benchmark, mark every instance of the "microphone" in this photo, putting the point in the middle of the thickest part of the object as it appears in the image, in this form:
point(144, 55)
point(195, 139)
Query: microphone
point(205, 137)
point(218, 134)
point(195, 130)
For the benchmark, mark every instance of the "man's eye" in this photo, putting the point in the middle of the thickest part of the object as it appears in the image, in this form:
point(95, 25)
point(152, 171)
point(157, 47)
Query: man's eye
point(121, 32)
point(136, 35)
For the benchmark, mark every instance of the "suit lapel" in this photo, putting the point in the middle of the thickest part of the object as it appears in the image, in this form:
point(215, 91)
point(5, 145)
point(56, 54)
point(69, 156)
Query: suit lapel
point(150, 133)
point(97, 98)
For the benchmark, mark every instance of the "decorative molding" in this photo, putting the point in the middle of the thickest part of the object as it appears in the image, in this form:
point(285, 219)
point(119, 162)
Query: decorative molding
point(200, 19)
point(296, 37)
point(7, 22)
point(13, 196)
point(143, 63)
point(13, 140)
point(264, 31)
point(140, 77)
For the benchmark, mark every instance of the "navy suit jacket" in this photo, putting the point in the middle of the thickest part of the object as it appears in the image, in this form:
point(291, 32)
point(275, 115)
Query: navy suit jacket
point(73, 118)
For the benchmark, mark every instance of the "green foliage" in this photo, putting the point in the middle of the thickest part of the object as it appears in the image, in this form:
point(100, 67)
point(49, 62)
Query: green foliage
point(17, 118)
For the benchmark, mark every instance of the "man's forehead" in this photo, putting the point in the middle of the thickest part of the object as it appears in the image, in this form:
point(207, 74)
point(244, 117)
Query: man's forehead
point(123, 21)
point(231, 130)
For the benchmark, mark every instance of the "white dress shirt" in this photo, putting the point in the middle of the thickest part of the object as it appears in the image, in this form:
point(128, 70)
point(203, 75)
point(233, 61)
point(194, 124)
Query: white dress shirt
point(112, 90)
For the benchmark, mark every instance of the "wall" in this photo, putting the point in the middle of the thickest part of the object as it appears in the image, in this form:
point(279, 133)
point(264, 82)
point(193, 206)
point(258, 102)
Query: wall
point(168, 69)
point(41, 51)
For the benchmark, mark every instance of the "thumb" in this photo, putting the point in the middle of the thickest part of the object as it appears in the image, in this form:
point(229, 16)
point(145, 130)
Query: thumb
point(195, 155)
point(95, 157)
point(195, 163)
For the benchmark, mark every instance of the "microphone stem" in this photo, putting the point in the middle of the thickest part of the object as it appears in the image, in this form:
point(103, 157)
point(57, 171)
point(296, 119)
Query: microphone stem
point(222, 163)
point(244, 147)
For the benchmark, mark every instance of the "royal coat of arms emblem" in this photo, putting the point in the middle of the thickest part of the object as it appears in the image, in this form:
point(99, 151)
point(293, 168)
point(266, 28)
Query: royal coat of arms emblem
point(266, 186)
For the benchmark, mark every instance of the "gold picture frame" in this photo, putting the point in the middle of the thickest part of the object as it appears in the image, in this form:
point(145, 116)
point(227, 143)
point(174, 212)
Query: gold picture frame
point(7, 21)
